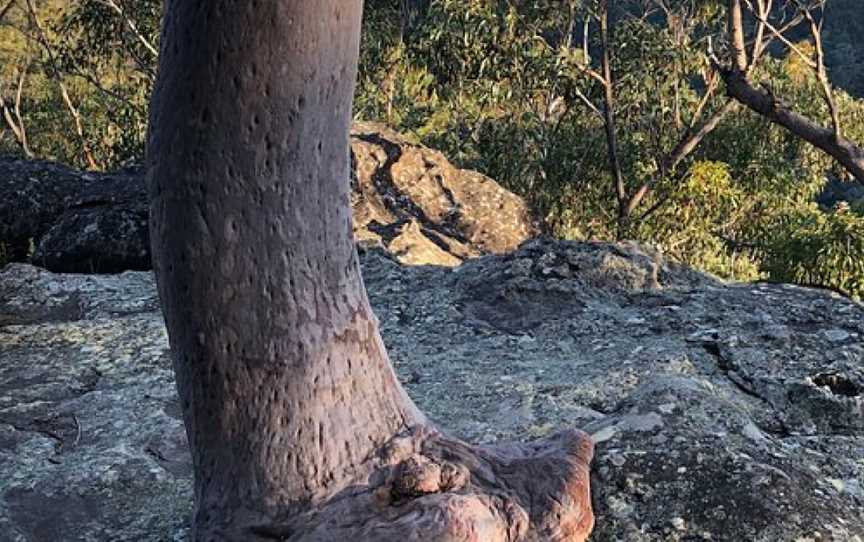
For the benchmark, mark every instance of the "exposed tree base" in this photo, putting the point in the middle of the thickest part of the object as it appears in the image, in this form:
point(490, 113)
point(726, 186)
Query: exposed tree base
point(426, 486)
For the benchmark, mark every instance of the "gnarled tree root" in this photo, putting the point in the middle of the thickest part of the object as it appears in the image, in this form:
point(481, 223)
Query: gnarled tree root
point(427, 486)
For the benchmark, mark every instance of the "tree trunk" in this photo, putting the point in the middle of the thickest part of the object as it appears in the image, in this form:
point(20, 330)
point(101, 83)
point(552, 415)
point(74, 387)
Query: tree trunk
point(619, 185)
point(298, 426)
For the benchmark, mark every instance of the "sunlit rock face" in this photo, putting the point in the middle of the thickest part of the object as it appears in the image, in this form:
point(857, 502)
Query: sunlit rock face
point(407, 198)
point(415, 203)
point(720, 411)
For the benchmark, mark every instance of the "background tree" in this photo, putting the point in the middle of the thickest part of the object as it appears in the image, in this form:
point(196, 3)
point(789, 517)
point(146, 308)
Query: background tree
point(86, 78)
point(738, 85)
point(516, 90)
point(298, 427)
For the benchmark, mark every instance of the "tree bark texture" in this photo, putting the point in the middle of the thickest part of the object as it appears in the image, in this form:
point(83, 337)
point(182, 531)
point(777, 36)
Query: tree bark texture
point(298, 426)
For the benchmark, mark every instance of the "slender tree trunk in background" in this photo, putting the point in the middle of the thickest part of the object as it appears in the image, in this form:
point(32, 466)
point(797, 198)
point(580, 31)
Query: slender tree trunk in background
point(53, 72)
point(12, 114)
point(298, 427)
point(413, 12)
point(620, 187)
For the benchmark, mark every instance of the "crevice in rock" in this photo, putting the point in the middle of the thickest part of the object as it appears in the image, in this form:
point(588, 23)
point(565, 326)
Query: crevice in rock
point(155, 454)
point(838, 384)
point(742, 382)
point(65, 310)
point(35, 430)
point(399, 203)
point(91, 204)
point(435, 237)
point(59, 428)
point(388, 232)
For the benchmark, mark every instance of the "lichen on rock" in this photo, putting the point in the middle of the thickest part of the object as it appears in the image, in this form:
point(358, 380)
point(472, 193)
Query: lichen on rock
point(720, 411)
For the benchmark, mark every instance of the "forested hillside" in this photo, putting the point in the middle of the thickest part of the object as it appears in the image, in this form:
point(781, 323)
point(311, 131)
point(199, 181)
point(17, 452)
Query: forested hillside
point(844, 46)
point(611, 123)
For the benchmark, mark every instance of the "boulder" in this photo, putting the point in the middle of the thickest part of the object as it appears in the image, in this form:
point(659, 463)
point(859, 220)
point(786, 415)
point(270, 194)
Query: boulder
point(720, 411)
point(73, 221)
point(406, 197)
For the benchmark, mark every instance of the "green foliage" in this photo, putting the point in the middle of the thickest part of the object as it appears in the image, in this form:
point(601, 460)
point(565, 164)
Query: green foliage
point(502, 87)
point(818, 248)
point(107, 70)
point(702, 221)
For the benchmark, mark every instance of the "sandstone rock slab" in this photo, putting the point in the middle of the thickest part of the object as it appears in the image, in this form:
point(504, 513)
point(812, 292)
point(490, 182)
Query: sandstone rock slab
point(720, 411)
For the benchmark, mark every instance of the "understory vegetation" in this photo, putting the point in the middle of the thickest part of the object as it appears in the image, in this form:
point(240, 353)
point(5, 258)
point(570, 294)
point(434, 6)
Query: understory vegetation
point(611, 123)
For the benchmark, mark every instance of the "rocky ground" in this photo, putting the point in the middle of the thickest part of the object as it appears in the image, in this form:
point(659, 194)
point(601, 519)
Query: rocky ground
point(721, 411)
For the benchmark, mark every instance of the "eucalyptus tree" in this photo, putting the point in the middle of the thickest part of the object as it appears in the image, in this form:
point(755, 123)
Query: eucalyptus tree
point(740, 86)
point(298, 426)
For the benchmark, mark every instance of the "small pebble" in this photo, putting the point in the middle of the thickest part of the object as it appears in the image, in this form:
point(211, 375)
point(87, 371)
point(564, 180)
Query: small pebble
point(678, 523)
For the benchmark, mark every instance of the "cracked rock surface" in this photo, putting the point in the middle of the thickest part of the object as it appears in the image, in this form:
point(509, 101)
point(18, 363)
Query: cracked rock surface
point(720, 411)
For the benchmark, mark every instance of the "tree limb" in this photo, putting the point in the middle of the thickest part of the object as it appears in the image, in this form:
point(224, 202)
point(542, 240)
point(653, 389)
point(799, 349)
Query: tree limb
point(688, 143)
point(609, 114)
point(54, 72)
point(16, 122)
point(821, 73)
point(735, 29)
point(132, 26)
point(847, 153)
point(763, 22)
point(739, 87)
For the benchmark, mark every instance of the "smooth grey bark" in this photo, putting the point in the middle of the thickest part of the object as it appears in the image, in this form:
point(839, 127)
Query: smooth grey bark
point(298, 426)
point(609, 118)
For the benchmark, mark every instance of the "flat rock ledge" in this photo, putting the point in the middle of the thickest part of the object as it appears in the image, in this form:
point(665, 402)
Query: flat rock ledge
point(720, 411)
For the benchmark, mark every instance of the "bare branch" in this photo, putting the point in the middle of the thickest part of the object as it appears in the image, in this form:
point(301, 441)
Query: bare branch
point(763, 21)
point(16, 122)
point(609, 116)
point(782, 29)
point(711, 86)
point(688, 143)
point(758, 43)
point(588, 103)
point(571, 29)
point(587, 70)
point(132, 26)
point(55, 74)
point(821, 73)
point(738, 86)
point(585, 56)
point(735, 29)
point(847, 153)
